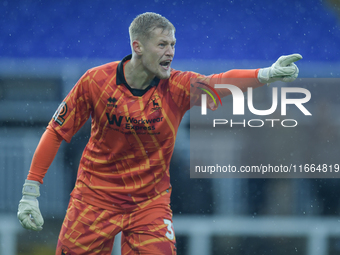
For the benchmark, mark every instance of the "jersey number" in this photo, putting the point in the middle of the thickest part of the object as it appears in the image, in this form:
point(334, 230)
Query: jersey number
point(170, 233)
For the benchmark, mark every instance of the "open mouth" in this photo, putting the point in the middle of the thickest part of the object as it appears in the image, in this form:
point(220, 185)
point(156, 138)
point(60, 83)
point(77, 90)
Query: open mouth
point(166, 64)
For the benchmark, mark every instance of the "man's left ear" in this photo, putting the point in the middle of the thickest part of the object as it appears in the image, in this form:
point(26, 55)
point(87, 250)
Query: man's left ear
point(137, 47)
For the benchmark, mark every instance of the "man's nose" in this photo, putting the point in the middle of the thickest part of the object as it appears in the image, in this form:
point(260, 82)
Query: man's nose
point(170, 51)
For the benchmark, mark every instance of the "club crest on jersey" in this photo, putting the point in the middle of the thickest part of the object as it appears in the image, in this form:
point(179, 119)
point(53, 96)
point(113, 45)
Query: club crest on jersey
point(155, 104)
point(60, 113)
point(111, 102)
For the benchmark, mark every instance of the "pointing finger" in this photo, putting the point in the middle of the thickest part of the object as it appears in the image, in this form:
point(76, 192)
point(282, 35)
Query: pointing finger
point(287, 60)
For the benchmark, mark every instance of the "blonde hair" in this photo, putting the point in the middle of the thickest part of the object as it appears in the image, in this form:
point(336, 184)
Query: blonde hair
point(143, 25)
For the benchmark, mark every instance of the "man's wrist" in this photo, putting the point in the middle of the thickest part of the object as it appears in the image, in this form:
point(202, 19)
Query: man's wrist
point(263, 75)
point(31, 188)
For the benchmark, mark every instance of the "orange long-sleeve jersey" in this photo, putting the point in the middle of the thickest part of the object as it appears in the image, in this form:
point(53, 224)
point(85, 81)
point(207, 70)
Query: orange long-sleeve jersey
point(125, 164)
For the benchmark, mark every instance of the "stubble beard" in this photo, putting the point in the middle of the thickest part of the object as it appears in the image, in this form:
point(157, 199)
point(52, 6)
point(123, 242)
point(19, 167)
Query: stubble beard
point(163, 75)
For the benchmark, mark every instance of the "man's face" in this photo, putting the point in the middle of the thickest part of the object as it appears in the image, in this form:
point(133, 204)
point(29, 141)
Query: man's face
point(158, 52)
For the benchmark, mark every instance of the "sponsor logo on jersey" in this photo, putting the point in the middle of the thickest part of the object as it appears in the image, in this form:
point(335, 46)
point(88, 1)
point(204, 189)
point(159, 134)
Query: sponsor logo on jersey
point(60, 113)
point(113, 119)
point(112, 102)
point(133, 124)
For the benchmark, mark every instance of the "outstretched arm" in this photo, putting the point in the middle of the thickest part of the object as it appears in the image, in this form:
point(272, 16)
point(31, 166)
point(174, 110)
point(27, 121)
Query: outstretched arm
point(283, 69)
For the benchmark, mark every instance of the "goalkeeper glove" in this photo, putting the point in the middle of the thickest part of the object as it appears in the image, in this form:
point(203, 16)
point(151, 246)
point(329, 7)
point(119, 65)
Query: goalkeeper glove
point(283, 69)
point(28, 212)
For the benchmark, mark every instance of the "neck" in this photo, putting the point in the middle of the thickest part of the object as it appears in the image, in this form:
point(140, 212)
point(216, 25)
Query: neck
point(136, 75)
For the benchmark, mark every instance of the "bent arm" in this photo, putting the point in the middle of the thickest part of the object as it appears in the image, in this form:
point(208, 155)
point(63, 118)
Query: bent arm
point(44, 154)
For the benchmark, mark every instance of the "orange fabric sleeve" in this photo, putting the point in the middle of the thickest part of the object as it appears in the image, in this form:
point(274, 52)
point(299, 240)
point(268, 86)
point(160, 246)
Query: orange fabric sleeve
point(238, 73)
point(242, 78)
point(44, 154)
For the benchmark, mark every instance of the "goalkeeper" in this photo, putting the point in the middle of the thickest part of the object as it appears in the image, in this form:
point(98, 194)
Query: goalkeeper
point(123, 180)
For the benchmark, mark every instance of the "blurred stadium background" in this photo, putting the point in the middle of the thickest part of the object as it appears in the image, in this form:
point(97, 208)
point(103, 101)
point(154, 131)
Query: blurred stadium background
point(45, 46)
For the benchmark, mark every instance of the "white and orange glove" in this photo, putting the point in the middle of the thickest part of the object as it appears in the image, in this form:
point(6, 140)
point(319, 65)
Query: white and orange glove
point(283, 69)
point(28, 212)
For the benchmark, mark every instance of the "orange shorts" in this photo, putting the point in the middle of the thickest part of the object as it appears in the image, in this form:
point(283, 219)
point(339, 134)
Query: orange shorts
point(91, 230)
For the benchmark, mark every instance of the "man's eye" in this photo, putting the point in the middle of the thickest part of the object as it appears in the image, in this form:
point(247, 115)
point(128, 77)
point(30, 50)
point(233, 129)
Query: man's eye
point(162, 45)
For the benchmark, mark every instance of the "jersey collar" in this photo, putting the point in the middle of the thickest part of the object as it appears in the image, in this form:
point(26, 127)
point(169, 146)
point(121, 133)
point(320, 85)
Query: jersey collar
point(120, 79)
